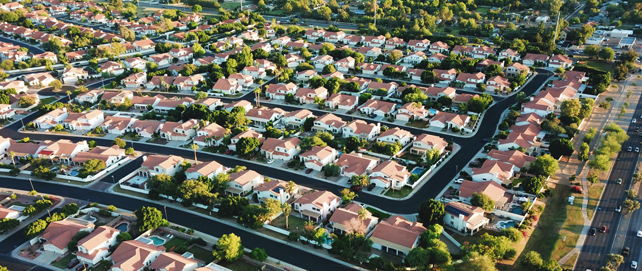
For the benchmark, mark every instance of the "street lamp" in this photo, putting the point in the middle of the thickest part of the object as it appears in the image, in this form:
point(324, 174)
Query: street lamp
point(166, 217)
point(112, 178)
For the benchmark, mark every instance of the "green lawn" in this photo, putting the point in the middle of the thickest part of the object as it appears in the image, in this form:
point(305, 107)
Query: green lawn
point(230, 6)
point(600, 65)
point(44, 101)
point(377, 213)
point(239, 266)
point(174, 242)
point(130, 137)
point(418, 124)
point(293, 223)
point(103, 265)
point(483, 10)
point(402, 193)
point(62, 263)
point(595, 192)
point(201, 254)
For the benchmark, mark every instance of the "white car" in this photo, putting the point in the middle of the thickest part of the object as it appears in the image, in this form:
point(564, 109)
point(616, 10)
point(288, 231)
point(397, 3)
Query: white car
point(634, 265)
point(459, 181)
point(633, 120)
point(270, 161)
point(639, 233)
point(630, 148)
point(637, 149)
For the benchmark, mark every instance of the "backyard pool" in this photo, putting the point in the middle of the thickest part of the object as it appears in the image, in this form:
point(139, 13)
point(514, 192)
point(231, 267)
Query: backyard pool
point(73, 173)
point(417, 171)
point(432, 111)
point(517, 210)
point(157, 240)
point(122, 227)
point(505, 224)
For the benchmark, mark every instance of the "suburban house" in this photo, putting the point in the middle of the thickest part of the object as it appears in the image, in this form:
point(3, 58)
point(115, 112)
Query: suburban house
point(389, 174)
point(498, 84)
point(136, 80)
point(135, 63)
point(315, 206)
point(361, 130)
point(243, 182)
point(348, 215)
point(91, 96)
point(412, 111)
point(342, 101)
point(134, 255)
point(52, 118)
point(513, 157)
point(356, 164)
point(261, 116)
point(95, 247)
point(419, 45)
point(517, 140)
point(227, 86)
point(560, 61)
point(109, 155)
point(276, 189)
point(493, 171)
point(117, 97)
point(160, 164)
point(179, 130)
point(464, 218)
point(397, 235)
point(278, 91)
point(535, 60)
point(146, 128)
point(378, 107)
point(445, 76)
point(438, 47)
point(72, 75)
point(510, 54)
point(210, 135)
point(296, 118)
point(449, 120)
point(208, 169)
point(308, 95)
point(425, 142)
point(516, 68)
point(9, 213)
point(317, 157)
point(248, 133)
point(328, 123)
point(64, 150)
point(59, 233)
point(470, 80)
point(111, 67)
point(172, 261)
point(493, 190)
point(281, 149)
point(84, 121)
point(395, 135)
point(117, 125)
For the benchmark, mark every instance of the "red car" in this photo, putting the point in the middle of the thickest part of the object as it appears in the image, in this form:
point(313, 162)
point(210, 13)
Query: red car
point(603, 229)
point(355, 188)
point(307, 171)
point(228, 151)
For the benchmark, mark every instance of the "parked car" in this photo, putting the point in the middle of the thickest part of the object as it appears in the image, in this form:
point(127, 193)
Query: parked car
point(639, 233)
point(355, 188)
point(626, 251)
point(307, 171)
point(82, 267)
point(459, 181)
point(371, 186)
point(603, 229)
point(634, 265)
point(270, 161)
point(592, 231)
point(633, 120)
point(228, 151)
point(73, 263)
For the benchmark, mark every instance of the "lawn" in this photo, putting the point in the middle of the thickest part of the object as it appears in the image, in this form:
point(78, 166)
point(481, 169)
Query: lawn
point(402, 193)
point(568, 265)
point(117, 189)
point(381, 215)
point(239, 266)
point(201, 254)
point(594, 193)
point(44, 101)
point(600, 65)
point(174, 242)
point(230, 6)
point(559, 219)
point(131, 137)
point(293, 222)
point(463, 239)
point(418, 124)
point(483, 10)
point(62, 263)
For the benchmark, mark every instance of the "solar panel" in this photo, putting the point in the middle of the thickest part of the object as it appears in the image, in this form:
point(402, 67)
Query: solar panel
point(278, 189)
point(455, 211)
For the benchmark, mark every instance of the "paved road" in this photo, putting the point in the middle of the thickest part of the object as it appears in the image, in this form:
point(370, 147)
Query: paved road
point(32, 49)
point(305, 259)
point(596, 247)
point(470, 147)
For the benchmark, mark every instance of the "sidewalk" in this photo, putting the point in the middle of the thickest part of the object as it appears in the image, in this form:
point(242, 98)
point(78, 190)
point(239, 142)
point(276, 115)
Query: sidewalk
point(598, 119)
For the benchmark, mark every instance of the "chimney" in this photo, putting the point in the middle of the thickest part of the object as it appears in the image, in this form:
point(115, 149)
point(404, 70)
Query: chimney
point(259, 112)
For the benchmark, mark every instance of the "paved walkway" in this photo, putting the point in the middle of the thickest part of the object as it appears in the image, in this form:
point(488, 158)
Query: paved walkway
point(598, 120)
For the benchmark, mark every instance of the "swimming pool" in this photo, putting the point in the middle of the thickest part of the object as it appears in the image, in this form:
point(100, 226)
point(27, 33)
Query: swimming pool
point(432, 111)
point(73, 173)
point(417, 171)
point(157, 240)
point(505, 224)
point(122, 227)
point(517, 210)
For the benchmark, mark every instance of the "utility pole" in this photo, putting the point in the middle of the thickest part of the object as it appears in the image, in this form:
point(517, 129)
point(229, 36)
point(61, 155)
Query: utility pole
point(166, 217)
point(557, 27)
point(32, 189)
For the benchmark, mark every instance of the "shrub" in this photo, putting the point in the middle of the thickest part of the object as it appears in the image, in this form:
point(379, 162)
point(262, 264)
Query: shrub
point(293, 236)
point(104, 213)
point(199, 241)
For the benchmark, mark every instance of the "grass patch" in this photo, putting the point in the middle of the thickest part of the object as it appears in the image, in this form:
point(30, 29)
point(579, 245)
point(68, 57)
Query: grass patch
point(293, 222)
point(411, 157)
point(401, 193)
point(101, 266)
point(230, 6)
point(202, 254)
point(174, 242)
point(238, 266)
point(468, 239)
point(130, 137)
point(43, 102)
point(62, 263)
point(559, 219)
point(518, 181)
point(418, 124)
point(381, 215)
point(600, 65)
point(117, 189)
point(483, 10)
point(594, 194)
point(568, 265)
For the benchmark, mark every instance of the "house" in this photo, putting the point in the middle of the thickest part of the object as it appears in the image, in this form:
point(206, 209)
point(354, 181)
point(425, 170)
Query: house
point(6, 213)
point(278, 91)
point(145, 44)
point(483, 52)
point(308, 95)
point(345, 64)
point(210, 103)
point(241, 103)
point(378, 107)
point(369, 68)
point(109, 155)
point(188, 83)
point(84, 121)
point(438, 47)
point(445, 76)
point(575, 75)
point(62, 150)
point(394, 42)
point(243, 182)
point(370, 52)
point(483, 64)
point(295, 119)
point(498, 84)
point(334, 37)
point(72, 75)
point(449, 120)
point(95, 247)
point(165, 105)
point(511, 54)
point(314, 34)
point(462, 50)
point(517, 140)
point(425, 143)
point(328, 123)
point(528, 119)
point(210, 135)
point(21, 150)
point(343, 219)
point(162, 60)
point(560, 61)
point(281, 149)
point(59, 233)
point(419, 45)
point(434, 93)
point(179, 130)
point(6, 112)
point(134, 255)
point(91, 96)
point(52, 118)
point(227, 86)
point(183, 54)
point(248, 133)
point(160, 164)
point(146, 128)
point(135, 63)
point(352, 40)
point(539, 106)
point(144, 102)
point(389, 174)
point(374, 41)
point(436, 58)
point(513, 157)
point(111, 67)
point(19, 86)
point(470, 80)
point(341, 101)
point(414, 58)
point(294, 60)
point(276, 189)
point(492, 170)
point(172, 261)
point(516, 68)
point(137, 80)
point(361, 130)
point(117, 125)
point(356, 164)
point(204, 169)
point(47, 56)
point(395, 135)
point(254, 72)
point(317, 157)
point(493, 190)
point(396, 235)
point(261, 116)
point(535, 60)
point(39, 79)
point(317, 205)
point(464, 218)
point(320, 62)
point(412, 111)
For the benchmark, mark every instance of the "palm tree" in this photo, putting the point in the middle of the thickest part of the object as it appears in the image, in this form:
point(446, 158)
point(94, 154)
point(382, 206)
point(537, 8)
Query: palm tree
point(290, 187)
point(286, 208)
point(69, 95)
point(257, 96)
point(362, 214)
point(12, 155)
point(194, 147)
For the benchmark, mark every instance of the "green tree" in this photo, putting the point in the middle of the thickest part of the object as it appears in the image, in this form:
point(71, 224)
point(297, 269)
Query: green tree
point(630, 205)
point(532, 261)
point(607, 54)
point(544, 165)
point(347, 195)
point(329, 69)
point(246, 145)
point(148, 218)
point(119, 142)
point(229, 248)
point(513, 234)
point(561, 147)
point(197, 8)
point(431, 212)
point(483, 201)
point(600, 162)
point(474, 261)
point(70, 209)
point(123, 236)
point(533, 185)
point(258, 254)
point(35, 228)
point(571, 107)
point(592, 51)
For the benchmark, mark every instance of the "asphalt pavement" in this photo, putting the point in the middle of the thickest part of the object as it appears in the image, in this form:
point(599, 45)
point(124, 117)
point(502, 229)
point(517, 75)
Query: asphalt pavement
point(32, 49)
point(595, 249)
